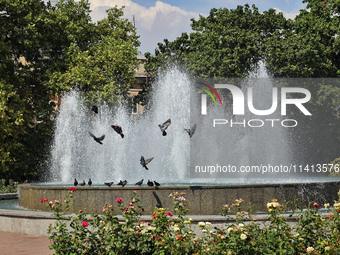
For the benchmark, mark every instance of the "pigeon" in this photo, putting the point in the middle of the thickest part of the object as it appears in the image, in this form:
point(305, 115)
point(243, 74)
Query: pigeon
point(150, 183)
point(75, 182)
point(108, 184)
point(164, 126)
point(140, 182)
point(122, 183)
point(191, 131)
point(94, 108)
point(156, 183)
point(118, 129)
point(89, 182)
point(99, 139)
point(83, 183)
point(144, 162)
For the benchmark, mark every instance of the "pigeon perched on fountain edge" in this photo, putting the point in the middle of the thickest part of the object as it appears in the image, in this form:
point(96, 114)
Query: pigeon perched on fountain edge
point(108, 184)
point(122, 183)
point(140, 182)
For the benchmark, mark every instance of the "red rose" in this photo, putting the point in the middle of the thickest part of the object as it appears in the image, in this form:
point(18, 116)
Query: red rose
point(72, 189)
point(316, 205)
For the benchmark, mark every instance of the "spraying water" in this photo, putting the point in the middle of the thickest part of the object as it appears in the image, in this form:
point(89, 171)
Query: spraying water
point(76, 155)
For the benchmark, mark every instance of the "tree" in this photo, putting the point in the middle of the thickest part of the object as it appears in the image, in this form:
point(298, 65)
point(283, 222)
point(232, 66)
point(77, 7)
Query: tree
point(39, 45)
point(227, 43)
point(309, 46)
point(105, 70)
point(25, 107)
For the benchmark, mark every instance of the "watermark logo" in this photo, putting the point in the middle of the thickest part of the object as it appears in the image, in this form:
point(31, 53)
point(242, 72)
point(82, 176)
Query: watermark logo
point(239, 102)
point(204, 96)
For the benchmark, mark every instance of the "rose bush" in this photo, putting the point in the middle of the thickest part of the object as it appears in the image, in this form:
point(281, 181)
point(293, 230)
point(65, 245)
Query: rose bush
point(171, 232)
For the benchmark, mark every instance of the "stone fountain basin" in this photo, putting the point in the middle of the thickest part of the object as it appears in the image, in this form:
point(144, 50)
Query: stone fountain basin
point(202, 199)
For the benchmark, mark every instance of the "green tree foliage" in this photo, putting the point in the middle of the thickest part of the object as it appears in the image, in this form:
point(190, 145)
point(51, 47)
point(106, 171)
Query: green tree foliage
point(309, 46)
point(105, 69)
point(229, 43)
point(45, 50)
point(24, 100)
point(226, 43)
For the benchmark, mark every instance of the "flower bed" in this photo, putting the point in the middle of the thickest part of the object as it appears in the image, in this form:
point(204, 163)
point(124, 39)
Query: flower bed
point(171, 232)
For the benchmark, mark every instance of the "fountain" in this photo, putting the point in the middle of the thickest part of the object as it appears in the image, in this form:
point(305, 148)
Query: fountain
point(180, 162)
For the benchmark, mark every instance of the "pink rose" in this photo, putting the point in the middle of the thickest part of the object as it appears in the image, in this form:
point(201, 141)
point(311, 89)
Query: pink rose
point(119, 200)
point(169, 214)
point(84, 223)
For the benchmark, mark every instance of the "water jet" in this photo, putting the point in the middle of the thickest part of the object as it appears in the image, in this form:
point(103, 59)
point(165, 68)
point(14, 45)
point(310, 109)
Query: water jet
point(74, 154)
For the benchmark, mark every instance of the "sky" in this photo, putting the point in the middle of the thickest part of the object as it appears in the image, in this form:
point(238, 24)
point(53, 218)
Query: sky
point(168, 19)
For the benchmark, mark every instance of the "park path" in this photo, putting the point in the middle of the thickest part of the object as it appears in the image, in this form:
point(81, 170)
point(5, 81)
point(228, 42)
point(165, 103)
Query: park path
point(17, 244)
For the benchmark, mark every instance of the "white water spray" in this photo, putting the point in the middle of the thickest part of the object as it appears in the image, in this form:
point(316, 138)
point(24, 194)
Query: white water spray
point(76, 155)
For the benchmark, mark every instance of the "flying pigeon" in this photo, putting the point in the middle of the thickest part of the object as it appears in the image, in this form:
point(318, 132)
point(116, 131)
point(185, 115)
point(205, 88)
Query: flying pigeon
point(89, 182)
point(99, 139)
point(144, 162)
point(118, 129)
point(191, 131)
point(94, 108)
point(156, 183)
point(164, 126)
point(75, 182)
point(108, 184)
point(140, 182)
point(150, 183)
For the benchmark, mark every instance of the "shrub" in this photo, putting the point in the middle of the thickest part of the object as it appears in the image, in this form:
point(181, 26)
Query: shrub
point(10, 188)
point(171, 232)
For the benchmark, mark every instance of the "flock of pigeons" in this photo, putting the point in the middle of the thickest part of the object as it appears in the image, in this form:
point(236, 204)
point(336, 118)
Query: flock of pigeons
point(143, 161)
